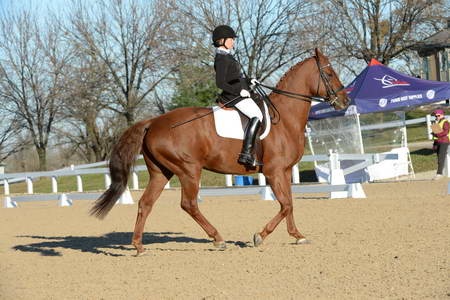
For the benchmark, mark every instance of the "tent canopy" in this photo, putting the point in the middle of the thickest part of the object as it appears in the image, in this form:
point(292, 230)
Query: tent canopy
point(379, 88)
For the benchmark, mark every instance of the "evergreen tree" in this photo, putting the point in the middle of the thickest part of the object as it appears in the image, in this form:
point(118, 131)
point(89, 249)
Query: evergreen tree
point(195, 86)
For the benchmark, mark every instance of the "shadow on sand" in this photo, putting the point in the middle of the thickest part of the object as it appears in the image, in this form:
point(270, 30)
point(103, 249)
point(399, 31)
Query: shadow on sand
point(100, 244)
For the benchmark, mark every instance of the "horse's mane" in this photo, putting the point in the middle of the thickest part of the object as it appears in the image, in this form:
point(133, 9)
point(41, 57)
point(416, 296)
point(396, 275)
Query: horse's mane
point(291, 69)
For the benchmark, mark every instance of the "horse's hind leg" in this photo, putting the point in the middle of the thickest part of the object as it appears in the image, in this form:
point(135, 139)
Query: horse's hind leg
point(190, 187)
point(148, 198)
point(281, 186)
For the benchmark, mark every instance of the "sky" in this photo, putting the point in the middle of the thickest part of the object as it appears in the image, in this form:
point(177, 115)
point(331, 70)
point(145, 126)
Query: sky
point(40, 5)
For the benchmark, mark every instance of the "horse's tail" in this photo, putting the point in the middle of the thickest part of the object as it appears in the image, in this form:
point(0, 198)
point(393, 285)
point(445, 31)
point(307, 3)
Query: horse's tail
point(122, 158)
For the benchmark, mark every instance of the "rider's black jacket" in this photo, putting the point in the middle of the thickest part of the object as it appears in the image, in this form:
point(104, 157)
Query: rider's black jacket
point(228, 78)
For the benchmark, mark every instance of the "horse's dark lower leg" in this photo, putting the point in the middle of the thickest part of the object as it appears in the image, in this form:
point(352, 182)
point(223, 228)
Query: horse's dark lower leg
point(190, 187)
point(150, 195)
point(281, 187)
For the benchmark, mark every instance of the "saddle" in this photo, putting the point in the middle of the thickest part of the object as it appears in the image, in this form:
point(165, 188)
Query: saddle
point(231, 123)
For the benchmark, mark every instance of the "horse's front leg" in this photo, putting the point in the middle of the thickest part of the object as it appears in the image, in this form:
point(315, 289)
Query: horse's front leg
point(190, 188)
point(280, 182)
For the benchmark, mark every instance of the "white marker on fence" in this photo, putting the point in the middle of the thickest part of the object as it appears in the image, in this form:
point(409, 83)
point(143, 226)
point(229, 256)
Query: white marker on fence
point(6, 186)
point(126, 198)
point(107, 181)
point(336, 176)
point(228, 180)
point(79, 184)
point(295, 174)
point(261, 179)
point(135, 181)
point(29, 185)
point(8, 203)
point(54, 185)
point(64, 201)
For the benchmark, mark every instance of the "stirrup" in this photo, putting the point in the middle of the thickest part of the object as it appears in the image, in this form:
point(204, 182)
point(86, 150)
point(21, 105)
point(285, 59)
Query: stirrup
point(249, 160)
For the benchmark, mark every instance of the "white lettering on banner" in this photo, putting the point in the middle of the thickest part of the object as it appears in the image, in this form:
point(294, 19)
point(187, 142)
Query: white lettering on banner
point(383, 101)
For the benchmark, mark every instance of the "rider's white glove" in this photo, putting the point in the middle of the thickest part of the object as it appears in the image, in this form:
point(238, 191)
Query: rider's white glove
point(254, 81)
point(245, 94)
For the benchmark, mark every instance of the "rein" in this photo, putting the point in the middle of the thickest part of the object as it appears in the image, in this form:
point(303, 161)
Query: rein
point(331, 93)
point(204, 115)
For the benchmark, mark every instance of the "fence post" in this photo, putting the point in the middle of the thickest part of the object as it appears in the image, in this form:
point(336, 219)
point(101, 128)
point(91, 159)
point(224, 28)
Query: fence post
point(6, 186)
point(336, 175)
point(29, 185)
point(79, 184)
point(54, 185)
point(135, 181)
point(107, 181)
point(228, 180)
point(295, 174)
point(261, 179)
point(429, 131)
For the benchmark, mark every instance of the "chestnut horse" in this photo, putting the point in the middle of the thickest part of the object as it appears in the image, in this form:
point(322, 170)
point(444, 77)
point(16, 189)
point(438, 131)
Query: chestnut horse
point(185, 150)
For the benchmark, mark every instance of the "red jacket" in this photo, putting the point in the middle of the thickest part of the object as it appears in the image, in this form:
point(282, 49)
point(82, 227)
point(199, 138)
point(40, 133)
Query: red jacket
point(442, 137)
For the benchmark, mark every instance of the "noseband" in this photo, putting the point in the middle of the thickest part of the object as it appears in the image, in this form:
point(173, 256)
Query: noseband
point(332, 96)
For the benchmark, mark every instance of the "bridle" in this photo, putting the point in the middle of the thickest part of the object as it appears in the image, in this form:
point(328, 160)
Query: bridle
point(331, 96)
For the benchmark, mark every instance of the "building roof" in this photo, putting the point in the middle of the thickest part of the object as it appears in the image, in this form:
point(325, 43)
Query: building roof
point(437, 42)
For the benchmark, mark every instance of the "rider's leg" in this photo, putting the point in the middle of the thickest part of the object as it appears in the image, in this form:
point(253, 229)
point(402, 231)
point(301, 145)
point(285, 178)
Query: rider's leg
point(249, 108)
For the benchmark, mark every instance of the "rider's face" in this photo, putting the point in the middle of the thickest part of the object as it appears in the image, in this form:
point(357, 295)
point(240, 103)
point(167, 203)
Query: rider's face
point(229, 43)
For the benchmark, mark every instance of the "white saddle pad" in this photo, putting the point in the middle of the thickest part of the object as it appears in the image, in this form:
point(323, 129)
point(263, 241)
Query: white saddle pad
point(228, 123)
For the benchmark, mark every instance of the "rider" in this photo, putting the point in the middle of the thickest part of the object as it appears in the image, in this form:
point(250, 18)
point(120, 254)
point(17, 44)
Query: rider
point(234, 86)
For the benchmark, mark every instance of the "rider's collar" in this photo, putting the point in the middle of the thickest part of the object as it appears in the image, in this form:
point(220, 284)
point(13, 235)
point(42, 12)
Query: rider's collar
point(223, 51)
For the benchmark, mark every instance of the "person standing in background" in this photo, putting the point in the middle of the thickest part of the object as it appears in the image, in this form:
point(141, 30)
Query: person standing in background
point(440, 140)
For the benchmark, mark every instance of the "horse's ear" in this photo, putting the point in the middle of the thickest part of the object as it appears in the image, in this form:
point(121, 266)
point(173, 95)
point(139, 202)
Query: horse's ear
point(317, 52)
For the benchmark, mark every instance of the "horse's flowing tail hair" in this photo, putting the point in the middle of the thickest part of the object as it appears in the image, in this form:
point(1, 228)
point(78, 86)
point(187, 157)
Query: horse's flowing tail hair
point(122, 158)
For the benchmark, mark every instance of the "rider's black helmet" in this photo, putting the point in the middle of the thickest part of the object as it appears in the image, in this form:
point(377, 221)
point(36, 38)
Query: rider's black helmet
point(222, 32)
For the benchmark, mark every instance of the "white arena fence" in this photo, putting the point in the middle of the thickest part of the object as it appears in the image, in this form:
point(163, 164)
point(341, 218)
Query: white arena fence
point(336, 187)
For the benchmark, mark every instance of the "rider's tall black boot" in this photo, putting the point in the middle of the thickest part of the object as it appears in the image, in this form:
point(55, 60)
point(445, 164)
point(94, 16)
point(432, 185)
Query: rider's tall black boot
point(247, 157)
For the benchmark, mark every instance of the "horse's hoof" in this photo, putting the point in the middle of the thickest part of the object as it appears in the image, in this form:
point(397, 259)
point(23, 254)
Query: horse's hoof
point(302, 241)
point(220, 245)
point(257, 240)
point(139, 254)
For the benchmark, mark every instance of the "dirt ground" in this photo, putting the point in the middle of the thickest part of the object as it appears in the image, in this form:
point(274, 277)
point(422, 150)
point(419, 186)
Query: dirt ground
point(394, 244)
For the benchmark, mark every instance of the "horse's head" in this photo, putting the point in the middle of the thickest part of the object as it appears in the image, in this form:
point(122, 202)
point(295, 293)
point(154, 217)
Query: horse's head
point(329, 86)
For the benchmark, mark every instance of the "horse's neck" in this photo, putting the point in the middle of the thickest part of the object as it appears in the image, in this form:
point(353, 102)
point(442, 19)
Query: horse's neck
point(294, 112)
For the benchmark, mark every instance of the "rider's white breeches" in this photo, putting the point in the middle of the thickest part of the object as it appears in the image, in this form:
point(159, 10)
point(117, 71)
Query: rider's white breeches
point(249, 108)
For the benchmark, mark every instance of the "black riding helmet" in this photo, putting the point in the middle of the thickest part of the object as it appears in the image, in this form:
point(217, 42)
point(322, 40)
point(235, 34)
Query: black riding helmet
point(222, 32)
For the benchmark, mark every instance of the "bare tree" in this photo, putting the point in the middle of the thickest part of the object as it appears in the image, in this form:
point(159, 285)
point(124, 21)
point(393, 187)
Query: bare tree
point(31, 75)
point(272, 35)
point(11, 141)
point(132, 39)
point(84, 130)
point(380, 29)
